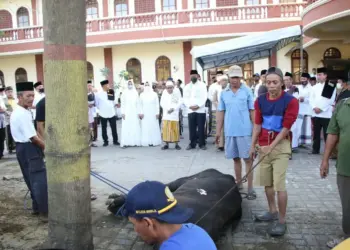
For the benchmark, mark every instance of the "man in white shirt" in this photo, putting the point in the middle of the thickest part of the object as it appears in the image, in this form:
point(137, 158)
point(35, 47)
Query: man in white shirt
point(305, 88)
point(321, 100)
point(106, 102)
point(29, 148)
point(260, 88)
point(195, 97)
point(214, 88)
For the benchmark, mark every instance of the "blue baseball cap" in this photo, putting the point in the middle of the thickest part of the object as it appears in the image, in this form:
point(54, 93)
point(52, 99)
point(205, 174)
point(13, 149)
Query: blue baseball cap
point(153, 199)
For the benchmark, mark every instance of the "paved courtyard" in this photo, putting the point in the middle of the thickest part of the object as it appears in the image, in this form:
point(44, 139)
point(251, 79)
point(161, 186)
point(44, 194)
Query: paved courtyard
point(314, 212)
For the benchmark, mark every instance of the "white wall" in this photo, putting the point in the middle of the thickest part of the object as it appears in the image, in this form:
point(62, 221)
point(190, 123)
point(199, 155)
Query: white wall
point(261, 64)
point(147, 54)
point(96, 57)
point(8, 65)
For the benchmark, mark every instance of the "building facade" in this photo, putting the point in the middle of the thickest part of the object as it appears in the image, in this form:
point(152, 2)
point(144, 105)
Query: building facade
point(152, 39)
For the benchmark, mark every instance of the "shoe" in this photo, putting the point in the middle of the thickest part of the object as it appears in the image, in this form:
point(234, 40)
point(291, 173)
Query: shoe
point(189, 147)
point(251, 195)
point(177, 147)
point(35, 213)
point(333, 243)
point(277, 229)
point(314, 153)
point(93, 145)
point(220, 149)
point(116, 143)
point(105, 144)
point(165, 147)
point(267, 216)
point(203, 147)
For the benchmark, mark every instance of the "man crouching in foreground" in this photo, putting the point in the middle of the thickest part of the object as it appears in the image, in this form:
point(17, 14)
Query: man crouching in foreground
point(158, 219)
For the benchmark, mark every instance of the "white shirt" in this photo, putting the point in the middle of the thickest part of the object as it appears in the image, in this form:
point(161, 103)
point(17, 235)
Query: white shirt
point(105, 107)
point(38, 96)
point(3, 122)
point(195, 95)
point(256, 90)
point(304, 107)
point(171, 101)
point(214, 88)
point(22, 126)
point(318, 101)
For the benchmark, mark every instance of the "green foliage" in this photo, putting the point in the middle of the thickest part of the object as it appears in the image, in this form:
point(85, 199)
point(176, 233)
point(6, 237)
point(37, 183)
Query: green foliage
point(123, 75)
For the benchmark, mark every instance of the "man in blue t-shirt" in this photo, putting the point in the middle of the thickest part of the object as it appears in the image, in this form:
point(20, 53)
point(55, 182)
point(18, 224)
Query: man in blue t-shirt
point(158, 219)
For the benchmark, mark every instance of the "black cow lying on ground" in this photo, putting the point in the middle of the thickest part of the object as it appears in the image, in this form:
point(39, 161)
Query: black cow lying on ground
point(200, 192)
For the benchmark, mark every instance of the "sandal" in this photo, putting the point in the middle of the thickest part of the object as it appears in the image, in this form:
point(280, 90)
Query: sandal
point(251, 195)
point(165, 147)
point(277, 229)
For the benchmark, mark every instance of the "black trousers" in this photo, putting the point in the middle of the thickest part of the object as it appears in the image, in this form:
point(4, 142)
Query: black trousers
point(11, 145)
point(319, 124)
point(31, 161)
point(197, 121)
point(113, 124)
point(95, 128)
point(2, 141)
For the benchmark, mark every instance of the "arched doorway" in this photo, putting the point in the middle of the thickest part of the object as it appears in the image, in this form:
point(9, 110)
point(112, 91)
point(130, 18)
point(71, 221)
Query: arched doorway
point(295, 57)
point(21, 75)
point(2, 78)
point(90, 71)
point(5, 19)
point(332, 53)
point(133, 66)
point(22, 17)
point(163, 68)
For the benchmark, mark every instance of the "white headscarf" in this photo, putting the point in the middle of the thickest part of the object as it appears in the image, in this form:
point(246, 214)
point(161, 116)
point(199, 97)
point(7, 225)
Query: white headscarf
point(132, 91)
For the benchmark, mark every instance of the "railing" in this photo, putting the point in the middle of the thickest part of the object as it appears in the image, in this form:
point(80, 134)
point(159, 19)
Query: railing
point(158, 20)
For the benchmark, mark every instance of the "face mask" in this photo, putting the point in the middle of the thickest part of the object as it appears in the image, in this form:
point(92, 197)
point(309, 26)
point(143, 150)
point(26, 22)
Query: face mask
point(41, 90)
point(339, 86)
point(129, 86)
point(193, 79)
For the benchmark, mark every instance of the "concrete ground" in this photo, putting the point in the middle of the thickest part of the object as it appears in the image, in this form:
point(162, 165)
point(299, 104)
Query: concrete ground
point(314, 211)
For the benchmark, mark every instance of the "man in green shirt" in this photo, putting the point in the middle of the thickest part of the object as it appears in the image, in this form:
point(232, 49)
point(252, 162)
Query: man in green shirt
point(339, 132)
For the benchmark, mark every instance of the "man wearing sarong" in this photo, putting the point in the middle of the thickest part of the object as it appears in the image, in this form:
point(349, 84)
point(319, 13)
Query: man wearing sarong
point(305, 136)
point(214, 88)
point(171, 102)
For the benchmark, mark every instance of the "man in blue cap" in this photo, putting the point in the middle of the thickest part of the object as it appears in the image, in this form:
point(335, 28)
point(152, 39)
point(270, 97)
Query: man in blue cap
point(158, 219)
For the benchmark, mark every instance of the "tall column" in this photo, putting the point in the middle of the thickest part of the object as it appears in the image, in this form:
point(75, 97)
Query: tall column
point(105, 8)
point(241, 2)
point(212, 4)
point(131, 7)
point(108, 56)
point(273, 58)
point(34, 13)
point(39, 67)
point(190, 4)
point(187, 46)
point(184, 4)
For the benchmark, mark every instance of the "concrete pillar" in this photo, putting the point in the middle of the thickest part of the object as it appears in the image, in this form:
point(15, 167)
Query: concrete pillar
point(108, 57)
point(187, 47)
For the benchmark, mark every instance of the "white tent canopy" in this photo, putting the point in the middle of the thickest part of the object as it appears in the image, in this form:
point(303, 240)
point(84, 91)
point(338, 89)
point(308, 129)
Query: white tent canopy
point(246, 48)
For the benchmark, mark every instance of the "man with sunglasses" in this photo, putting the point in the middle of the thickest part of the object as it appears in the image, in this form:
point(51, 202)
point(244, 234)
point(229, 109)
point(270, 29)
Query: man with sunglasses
point(158, 219)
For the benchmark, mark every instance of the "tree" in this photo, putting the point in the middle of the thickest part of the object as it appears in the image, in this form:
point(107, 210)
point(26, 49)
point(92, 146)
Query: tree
point(67, 133)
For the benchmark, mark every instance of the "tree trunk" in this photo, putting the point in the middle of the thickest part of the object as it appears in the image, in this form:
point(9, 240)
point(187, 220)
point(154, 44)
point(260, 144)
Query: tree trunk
point(67, 132)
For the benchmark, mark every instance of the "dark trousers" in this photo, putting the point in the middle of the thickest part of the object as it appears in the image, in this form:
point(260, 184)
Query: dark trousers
point(343, 183)
point(95, 128)
point(113, 124)
point(319, 124)
point(2, 141)
point(197, 121)
point(31, 161)
point(11, 145)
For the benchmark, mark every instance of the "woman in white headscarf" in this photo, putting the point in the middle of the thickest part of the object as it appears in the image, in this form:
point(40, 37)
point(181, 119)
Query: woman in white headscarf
point(130, 109)
point(150, 131)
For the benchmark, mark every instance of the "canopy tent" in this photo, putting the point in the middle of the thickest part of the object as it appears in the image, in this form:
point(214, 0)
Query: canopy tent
point(244, 49)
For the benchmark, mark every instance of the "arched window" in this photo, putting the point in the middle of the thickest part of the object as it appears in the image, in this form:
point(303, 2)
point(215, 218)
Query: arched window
point(201, 4)
point(5, 19)
point(169, 5)
point(133, 66)
point(332, 53)
point(91, 9)
point(296, 64)
point(163, 68)
point(21, 75)
point(121, 8)
point(23, 17)
point(90, 71)
point(2, 78)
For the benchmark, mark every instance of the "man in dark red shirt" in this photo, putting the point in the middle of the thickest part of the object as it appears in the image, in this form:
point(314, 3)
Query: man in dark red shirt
point(275, 113)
